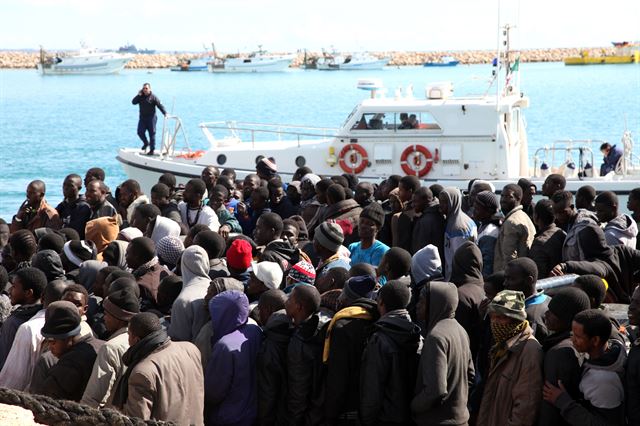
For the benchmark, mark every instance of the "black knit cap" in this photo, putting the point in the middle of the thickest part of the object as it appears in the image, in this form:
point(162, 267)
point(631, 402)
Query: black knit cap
point(61, 320)
point(80, 251)
point(568, 302)
point(488, 200)
point(122, 304)
point(374, 213)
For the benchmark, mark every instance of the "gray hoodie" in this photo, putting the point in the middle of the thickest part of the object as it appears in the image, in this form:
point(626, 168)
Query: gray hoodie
point(621, 230)
point(446, 366)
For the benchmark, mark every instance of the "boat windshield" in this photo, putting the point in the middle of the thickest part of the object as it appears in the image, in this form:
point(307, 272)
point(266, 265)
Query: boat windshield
point(393, 121)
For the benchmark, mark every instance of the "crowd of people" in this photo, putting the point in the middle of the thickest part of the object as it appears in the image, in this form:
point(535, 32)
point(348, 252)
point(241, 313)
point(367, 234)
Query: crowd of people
point(324, 300)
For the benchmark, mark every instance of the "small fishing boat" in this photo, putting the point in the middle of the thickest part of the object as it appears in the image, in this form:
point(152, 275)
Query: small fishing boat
point(624, 53)
point(444, 61)
point(258, 61)
point(335, 61)
point(85, 61)
point(197, 64)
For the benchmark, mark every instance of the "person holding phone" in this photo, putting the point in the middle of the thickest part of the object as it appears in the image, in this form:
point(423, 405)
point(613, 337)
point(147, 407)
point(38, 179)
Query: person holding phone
point(34, 212)
point(148, 102)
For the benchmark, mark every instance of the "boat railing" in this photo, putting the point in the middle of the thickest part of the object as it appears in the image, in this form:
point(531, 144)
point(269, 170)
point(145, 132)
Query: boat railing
point(171, 128)
point(241, 131)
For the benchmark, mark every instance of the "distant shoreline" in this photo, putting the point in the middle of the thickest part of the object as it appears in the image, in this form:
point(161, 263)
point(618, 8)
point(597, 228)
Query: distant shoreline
point(25, 60)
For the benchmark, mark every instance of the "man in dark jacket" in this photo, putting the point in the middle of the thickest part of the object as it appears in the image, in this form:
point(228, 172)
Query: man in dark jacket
point(68, 378)
point(466, 274)
point(147, 120)
point(546, 249)
point(73, 210)
point(346, 338)
point(304, 357)
point(278, 199)
point(407, 187)
point(576, 223)
point(268, 233)
point(521, 275)
point(345, 211)
point(26, 290)
point(140, 257)
point(446, 368)
point(428, 223)
point(390, 360)
point(561, 364)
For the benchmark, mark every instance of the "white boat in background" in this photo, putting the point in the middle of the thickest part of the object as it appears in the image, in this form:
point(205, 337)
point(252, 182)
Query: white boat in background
point(196, 64)
point(85, 61)
point(440, 138)
point(335, 61)
point(258, 61)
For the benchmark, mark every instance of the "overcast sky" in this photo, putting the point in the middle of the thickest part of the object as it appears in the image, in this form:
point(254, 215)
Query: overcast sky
point(288, 25)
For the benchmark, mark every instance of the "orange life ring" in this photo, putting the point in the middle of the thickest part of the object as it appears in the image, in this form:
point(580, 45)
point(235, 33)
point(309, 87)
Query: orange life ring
point(191, 155)
point(418, 156)
point(353, 150)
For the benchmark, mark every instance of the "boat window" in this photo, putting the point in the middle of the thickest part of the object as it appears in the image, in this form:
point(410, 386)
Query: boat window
point(416, 120)
point(375, 121)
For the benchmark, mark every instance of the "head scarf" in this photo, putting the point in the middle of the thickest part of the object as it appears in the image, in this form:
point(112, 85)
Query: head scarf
point(102, 231)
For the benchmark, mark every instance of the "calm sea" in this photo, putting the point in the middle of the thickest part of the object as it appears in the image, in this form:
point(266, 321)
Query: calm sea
point(55, 125)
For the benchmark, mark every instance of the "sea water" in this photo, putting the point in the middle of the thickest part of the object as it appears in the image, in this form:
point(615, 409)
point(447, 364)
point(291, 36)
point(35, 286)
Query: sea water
point(55, 125)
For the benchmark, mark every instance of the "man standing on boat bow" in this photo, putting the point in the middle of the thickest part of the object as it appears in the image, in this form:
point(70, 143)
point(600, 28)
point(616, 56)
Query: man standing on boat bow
point(148, 119)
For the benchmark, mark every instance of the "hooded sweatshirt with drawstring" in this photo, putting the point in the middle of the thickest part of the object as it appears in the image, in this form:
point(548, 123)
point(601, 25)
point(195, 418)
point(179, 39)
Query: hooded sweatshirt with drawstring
point(388, 371)
point(446, 368)
point(458, 228)
point(164, 227)
point(621, 230)
point(230, 383)
point(49, 262)
point(188, 317)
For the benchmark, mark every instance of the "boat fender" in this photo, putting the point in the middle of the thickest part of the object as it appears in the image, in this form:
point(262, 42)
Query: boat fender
point(332, 159)
point(349, 158)
point(416, 160)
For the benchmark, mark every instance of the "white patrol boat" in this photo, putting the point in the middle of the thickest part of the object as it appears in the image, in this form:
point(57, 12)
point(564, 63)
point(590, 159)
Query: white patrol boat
point(440, 138)
point(85, 61)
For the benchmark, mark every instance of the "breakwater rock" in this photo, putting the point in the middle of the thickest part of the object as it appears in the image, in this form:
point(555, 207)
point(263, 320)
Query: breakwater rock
point(18, 59)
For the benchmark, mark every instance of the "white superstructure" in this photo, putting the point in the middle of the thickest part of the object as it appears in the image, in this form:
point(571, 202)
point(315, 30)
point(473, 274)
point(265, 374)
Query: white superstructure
point(335, 61)
point(85, 61)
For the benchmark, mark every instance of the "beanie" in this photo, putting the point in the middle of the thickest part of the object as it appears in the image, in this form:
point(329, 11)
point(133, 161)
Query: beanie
point(312, 178)
point(329, 236)
point(170, 249)
point(240, 254)
point(61, 320)
point(122, 305)
point(509, 303)
point(268, 273)
point(359, 286)
point(567, 302)
point(374, 213)
point(303, 272)
point(79, 251)
point(488, 200)
point(266, 167)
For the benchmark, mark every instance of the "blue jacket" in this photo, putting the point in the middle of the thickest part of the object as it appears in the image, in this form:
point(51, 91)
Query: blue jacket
point(230, 381)
point(611, 160)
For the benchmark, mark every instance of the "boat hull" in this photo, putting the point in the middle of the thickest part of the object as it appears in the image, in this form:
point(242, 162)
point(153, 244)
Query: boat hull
point(603, 60)
point(99, 66)
point(436, 64)
point(236, 66)
point(355, 66)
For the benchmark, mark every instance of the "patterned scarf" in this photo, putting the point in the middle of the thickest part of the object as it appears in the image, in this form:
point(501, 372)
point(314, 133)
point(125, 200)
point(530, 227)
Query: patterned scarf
point(501, 334)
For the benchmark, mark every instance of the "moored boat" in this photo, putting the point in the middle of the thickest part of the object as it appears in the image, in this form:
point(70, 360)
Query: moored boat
point(445, 61)
point(625, 53)
point(258, 61)
point(335, 61)
point(85, 61)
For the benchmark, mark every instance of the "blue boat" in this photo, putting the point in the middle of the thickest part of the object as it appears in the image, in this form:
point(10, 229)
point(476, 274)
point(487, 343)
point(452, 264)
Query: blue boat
point(445, 61)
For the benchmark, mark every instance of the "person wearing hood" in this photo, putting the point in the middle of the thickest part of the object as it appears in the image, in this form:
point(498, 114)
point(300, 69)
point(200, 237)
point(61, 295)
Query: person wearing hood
point(187, 316)
point(114, 254)
point(272, 359)
point(203, 339)
point(517, 231)
point(141, 258)
point(574, 223)
point(428, 223)
point(618, 265)
point(87, 273)
point(214, 245)
point(305, 370)
point(231, 376)
point(344, 344)
point(601, 383)
point(620, 229)
point(426, 266)
point(516, 355)
point(119, 307)
point(445, 371)
point(390, 360)
point(459, 227)
point(268, 233)
point(26, 290)
point(163, 380)
point(163, 227)
point(562, 363)
point(49, 262)
point(485, 213)
point(102, 231)
point(467, 276)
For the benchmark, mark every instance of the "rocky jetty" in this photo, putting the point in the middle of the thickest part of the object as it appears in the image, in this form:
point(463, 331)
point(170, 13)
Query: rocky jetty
point(17, 59)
